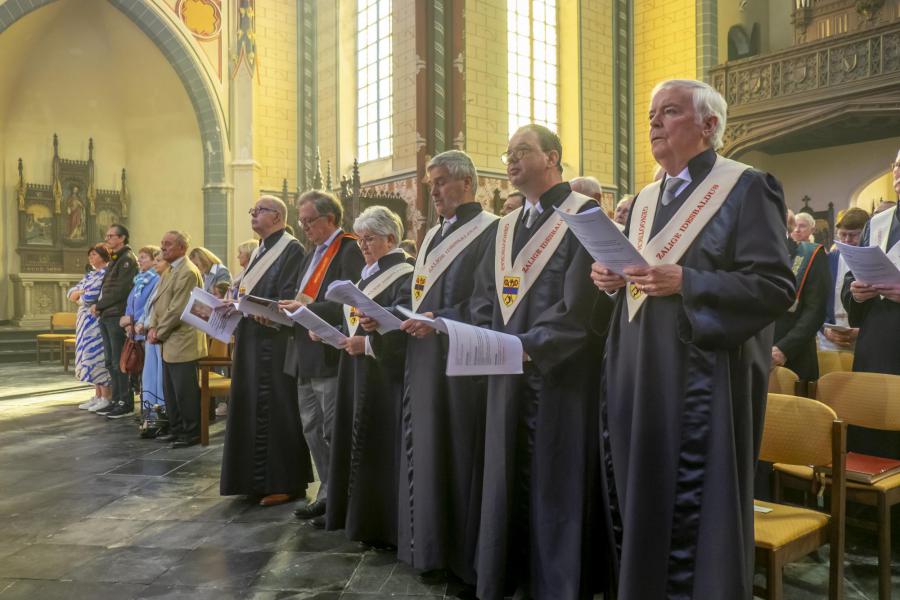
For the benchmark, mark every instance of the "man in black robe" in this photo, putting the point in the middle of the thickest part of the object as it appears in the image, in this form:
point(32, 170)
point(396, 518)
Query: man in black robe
point(685, 375)
point(540, 506)
point(265, 454)
point(335, 257)
point(442, 453)
point(876, 311)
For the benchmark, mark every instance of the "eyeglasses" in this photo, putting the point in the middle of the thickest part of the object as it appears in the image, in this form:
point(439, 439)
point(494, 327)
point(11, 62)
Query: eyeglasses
point(306, 223)
point(366, 241)
point(112, 235)
point(256, 210)
point(514, 156)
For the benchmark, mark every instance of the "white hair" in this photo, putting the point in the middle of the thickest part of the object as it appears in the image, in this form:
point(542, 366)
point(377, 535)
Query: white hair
point(708, 102)
point(276, 203)
point(589, 186)
point(379, 220)
point(806, 218)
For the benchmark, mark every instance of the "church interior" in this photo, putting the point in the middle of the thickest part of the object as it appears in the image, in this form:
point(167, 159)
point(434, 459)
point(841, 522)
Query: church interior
point(179, 114)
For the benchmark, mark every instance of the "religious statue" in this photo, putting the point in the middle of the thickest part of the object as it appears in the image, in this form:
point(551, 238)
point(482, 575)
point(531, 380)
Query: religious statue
point(75, 211)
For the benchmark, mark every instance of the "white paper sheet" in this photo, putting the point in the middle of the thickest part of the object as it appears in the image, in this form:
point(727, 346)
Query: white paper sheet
point(603, 240)
point(870, 265)
point(210, 315)
point(345, 292)
point(314, 323)
point(479, 351)
point(263, 307)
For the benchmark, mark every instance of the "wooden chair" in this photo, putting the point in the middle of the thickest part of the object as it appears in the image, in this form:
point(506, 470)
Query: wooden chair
point(59, 324)
point(865, 400)
point(212, 384)
point(801, 431)
point(68, 353)
point(834, 360)
point(783, 381)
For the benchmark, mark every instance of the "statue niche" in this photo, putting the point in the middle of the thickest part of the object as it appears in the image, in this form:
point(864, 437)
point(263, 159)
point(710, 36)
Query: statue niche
point(59, 221)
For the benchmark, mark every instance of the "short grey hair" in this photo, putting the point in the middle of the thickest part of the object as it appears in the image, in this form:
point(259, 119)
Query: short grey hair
point(589, 186)
point(379, 220)
point(277, 203)
point(708, 102)
point(626, 199)
point(181, 237)
point(806, 218)
point(458, 164)
point(325, 203)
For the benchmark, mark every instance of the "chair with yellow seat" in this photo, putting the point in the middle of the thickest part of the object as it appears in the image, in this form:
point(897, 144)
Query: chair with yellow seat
point(62, 327)
point(834, 360)
point(783, 381)
point(68, 353)
point(212, 384)
point(869, 400)
point(805, 432)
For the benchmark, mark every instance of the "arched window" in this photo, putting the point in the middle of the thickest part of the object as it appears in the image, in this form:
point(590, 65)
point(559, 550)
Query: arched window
point(374, 84)
point(532, 63)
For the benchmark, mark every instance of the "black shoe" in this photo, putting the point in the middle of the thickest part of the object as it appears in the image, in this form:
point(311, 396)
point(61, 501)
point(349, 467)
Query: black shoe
point(318, 522)
point(169, 437)
point(467, 592)
point(311, 510)
point(108, 409)
point(433, 577)
point(186, 442)
point(120, 411)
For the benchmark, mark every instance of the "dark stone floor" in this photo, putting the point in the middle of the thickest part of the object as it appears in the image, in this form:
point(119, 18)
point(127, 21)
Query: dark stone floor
point(88, 510)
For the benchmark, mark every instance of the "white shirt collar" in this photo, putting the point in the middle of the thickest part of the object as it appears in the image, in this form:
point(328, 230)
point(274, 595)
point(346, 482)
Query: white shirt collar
point(372, 269)
point(330, 239)
point(176, 263)
point(686, 176)
point(528, 206)
point(449, 221)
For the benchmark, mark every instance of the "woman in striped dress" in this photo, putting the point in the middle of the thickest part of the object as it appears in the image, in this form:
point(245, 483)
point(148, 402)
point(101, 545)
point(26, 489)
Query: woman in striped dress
point(89, 358)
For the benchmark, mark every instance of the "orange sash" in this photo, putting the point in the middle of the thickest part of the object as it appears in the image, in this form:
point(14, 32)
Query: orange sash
point(311, 290)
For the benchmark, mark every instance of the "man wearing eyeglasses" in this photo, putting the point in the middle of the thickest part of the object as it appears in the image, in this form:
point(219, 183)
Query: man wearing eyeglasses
point(875, 309)
point(265, 456)
point(336, 256)
point(110, 307)
point(539, 511)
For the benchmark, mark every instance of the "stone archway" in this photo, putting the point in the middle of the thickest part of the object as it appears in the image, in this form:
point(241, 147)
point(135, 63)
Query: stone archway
point(209, 119)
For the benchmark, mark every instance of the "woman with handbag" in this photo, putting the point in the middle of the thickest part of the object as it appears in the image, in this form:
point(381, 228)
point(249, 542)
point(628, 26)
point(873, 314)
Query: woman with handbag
point(147, 375)
point(89, 357)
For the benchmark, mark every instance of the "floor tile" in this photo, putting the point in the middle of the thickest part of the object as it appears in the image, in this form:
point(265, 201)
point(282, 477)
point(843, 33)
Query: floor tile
point(46, 561)
point(127, 565)
point(210, 567)
point(307, 571)
point(147, 466)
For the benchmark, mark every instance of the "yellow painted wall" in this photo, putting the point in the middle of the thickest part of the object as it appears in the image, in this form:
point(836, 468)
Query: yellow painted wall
point(877, 191)
point(597, 84)
point(275, 109)
point(664, 48)
point(70, 68)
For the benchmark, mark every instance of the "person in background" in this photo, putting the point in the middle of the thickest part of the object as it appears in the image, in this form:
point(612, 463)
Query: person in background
point(144, 286)
point(211, 268)
point(182, 345)
point(589, 186)
point(409, 246)
point(883, 206)
point(514, 200)
point(804, 227)
point(244, 254)
point(848, 231)
point(90, 364)
point(110, 307)
point(152, 394)
point(623, 210)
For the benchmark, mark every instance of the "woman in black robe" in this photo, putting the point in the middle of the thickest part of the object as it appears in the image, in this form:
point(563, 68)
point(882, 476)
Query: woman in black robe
point(365, 442)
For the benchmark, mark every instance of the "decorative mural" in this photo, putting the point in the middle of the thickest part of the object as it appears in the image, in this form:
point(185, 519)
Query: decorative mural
point(202, 17)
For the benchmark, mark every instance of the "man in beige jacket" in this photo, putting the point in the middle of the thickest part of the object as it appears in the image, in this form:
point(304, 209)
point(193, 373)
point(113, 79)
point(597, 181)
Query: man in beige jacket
point(182, 345)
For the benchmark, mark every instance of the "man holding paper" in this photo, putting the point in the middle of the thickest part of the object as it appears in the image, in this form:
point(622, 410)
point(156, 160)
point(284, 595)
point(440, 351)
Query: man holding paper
point(539, 508)
point(875, 309)
point(265, 455)
point(443, 417)
point(335, 257)
point(687, 358)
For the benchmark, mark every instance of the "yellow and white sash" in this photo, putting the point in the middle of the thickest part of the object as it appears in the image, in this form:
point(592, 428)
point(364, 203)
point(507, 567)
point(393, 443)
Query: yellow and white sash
point(514, 279)
point(672, 241)
point(247, 281)
point(429, 270)
point(375, 287)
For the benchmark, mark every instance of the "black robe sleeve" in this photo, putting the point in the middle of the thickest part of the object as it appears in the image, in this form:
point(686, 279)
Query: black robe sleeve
point(293, 257)
point(812, 309)
point(722, 309)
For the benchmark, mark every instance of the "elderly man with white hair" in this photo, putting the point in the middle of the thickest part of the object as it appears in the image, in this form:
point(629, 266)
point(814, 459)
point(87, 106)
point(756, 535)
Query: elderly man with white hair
point(688, 355)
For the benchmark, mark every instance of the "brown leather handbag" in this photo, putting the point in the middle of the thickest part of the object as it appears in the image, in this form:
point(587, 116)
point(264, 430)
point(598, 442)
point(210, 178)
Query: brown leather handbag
point(132, 359)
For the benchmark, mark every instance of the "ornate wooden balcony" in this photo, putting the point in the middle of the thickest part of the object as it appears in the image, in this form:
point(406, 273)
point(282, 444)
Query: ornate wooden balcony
point(842, 89)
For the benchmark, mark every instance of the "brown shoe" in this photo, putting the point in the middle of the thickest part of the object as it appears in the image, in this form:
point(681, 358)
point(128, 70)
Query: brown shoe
point(274, 499)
